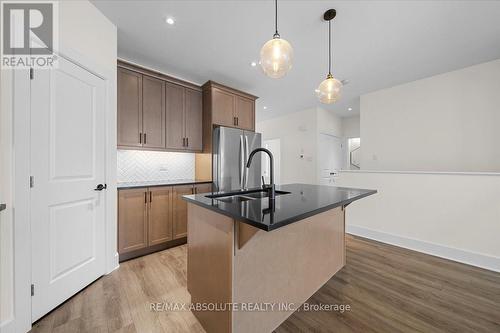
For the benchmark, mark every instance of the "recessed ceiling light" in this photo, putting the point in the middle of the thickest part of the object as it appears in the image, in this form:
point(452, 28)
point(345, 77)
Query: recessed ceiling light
point(170, 20)
point(349, 109)
point(265, 107)
point(253, 64)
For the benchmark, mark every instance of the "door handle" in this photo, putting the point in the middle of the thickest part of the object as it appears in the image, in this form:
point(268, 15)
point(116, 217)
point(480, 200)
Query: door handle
point(140, 137)
point(101, 187)
point(145, 138)
point(187, 142)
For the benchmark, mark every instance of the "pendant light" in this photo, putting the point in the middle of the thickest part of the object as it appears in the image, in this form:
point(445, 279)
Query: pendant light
point(276, 55)
point(330, 89)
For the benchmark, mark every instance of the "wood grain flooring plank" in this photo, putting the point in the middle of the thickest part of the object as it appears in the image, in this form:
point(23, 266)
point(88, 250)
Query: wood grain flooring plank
point(389, 289)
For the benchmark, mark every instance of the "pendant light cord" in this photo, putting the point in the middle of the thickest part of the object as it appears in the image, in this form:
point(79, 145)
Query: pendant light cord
point(276, 34)
point(330, 47)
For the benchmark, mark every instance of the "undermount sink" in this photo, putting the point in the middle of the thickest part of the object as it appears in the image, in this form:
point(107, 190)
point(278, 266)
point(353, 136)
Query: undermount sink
point(264, 194)
point(234, 198)
point(243, 196)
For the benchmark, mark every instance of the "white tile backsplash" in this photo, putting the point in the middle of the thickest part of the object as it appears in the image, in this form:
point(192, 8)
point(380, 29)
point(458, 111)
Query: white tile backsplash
point(140, 166)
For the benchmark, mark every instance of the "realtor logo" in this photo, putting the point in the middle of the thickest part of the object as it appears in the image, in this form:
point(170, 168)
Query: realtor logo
point(29, 34)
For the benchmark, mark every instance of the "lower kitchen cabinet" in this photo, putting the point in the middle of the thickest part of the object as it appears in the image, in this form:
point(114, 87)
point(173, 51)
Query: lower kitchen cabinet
point(160, 215)
point(153, 218)
point(203, 188)
point(180, 210)
point(132, 220)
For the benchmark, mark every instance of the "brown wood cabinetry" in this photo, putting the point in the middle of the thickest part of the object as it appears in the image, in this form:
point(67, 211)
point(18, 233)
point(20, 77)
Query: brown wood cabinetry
point(154, 218)
point(175, 116)
point(203, 188)
point(180, 210)
point(245, 113)
point(158, 112)
point(130, 108)
point(224, 106)
point(160, 215)
point(223, 110)
point(153, 112)
point(184, 118)
point(133, 220)
point(193, 116)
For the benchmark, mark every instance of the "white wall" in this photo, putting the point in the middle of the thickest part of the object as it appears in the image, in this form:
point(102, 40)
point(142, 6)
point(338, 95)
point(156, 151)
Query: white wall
point(448, 122)
point(297, 132)
point(87, 35)
point(299, 135)
point(350, 127)
point(455, 216)
point(329, 123)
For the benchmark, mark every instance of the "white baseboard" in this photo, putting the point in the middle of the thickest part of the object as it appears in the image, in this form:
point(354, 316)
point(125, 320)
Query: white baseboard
point(115, 264)
point(466, 257)
point(6, 325)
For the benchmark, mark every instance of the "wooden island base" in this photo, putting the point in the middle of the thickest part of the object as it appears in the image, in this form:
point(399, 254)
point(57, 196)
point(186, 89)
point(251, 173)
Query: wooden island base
point(233, 262)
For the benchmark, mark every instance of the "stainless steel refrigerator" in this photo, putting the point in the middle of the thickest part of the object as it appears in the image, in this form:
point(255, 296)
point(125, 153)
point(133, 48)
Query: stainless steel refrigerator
point(230, 149)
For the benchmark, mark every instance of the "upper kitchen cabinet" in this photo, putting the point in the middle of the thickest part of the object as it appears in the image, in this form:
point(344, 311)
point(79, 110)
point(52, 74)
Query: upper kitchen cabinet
point(225, 106)
point(193, 116)
point(184, 118)
point(158, 112)
point(153, 112)
point(175, 116)
point(245, 113)
point(129, 108)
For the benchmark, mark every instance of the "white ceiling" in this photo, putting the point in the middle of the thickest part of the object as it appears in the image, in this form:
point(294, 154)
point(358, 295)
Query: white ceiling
point(376, 44)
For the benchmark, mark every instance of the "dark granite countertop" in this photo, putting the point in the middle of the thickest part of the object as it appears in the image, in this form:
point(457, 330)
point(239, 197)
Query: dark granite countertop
point(304, 200)
point(126, 185)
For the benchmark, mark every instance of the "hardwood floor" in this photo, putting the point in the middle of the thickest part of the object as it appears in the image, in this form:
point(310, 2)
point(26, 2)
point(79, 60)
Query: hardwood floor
point(388, 289)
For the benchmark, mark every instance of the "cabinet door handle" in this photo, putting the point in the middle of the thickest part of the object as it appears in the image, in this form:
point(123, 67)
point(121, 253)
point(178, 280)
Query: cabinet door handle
point(234, 121)
point(237, 121)
point(184, 142)
point(145, 197)
point(187, 142)
point(140, 137)
point(150, 196)
point(144, 137)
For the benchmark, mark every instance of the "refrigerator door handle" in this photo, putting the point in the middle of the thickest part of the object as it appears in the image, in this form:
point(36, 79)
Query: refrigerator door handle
point(246, 160)
point(242, 162)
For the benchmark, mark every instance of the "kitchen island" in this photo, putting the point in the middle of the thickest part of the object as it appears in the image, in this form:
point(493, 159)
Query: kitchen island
point(253, 261)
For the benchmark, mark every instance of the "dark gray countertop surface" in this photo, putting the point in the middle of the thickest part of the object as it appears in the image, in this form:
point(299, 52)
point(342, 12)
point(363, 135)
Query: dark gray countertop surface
point(126, 185)
point(304, 200)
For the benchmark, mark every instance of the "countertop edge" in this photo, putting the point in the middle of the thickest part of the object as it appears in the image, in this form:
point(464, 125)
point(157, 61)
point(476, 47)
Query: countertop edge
point(284, 222)
point(125, 187)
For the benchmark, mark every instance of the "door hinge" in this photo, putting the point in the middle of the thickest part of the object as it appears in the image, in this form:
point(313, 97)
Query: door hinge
point(32, 181)
point(32, 290)
point(32, 75)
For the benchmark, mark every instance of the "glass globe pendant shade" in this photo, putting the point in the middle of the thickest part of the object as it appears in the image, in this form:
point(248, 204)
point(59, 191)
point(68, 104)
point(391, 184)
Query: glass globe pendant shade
point(276, 57)
point(330, 90)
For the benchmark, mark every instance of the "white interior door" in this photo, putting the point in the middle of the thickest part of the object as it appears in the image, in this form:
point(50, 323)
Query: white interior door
point(330, 157)
point(67, 162)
